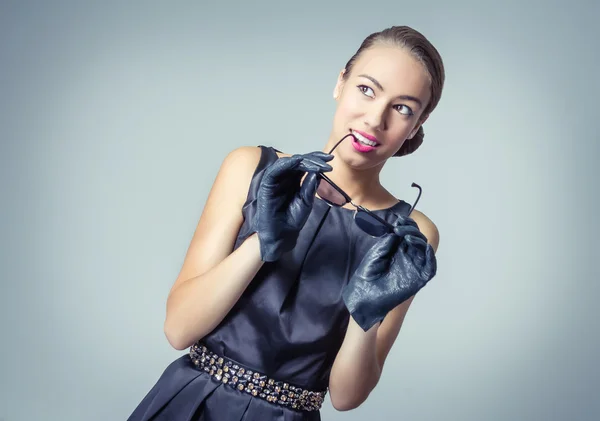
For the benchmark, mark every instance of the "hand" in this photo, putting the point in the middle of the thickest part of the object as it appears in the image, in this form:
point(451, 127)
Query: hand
point(393, 270)
point(283, 205)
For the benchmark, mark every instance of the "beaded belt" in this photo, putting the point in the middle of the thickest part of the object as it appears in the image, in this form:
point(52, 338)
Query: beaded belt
point(256, 384)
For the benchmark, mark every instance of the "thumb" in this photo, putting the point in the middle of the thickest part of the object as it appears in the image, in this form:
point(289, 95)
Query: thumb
point(377, 260)
point(430, 268)
point(385, 247)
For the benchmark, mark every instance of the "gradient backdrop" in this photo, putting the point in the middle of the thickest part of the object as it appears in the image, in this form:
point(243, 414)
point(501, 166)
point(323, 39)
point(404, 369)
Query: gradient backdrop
point(115, 116)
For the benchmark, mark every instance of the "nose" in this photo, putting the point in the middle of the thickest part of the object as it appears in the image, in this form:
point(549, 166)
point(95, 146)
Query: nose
point(375, 117)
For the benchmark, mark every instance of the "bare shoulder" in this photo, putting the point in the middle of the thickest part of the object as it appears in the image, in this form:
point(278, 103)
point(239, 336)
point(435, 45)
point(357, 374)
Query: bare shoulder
point(221, 216)
point(237, 169)
point(242, 159)
point(427, 227)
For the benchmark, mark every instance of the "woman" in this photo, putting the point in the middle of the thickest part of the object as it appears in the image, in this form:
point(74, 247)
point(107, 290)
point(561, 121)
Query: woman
point(287, 292)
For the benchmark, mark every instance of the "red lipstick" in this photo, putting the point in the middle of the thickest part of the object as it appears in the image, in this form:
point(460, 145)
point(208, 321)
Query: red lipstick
point(368, 136)
point(361, 141)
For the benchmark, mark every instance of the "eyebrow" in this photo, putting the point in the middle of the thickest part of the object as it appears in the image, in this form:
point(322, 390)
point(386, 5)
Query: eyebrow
point(406, 97)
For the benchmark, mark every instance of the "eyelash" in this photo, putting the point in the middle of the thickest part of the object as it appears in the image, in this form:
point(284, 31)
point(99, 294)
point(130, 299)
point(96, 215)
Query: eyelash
point(410, 111)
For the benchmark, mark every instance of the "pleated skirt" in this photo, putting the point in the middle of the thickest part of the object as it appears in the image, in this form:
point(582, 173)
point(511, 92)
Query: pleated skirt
point(185, 393)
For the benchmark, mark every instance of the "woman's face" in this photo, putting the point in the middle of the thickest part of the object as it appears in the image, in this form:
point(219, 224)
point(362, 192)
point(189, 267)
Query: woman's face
point(381, 102)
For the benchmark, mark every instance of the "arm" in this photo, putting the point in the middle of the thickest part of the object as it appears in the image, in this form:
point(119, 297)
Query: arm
point(213, 278)
point(359, 363)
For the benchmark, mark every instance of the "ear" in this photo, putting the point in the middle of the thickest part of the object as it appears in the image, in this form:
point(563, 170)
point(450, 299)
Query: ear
point(339, 85)
point(416, 128)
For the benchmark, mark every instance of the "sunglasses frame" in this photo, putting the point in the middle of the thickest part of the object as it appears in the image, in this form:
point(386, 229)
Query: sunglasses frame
point(360, 208)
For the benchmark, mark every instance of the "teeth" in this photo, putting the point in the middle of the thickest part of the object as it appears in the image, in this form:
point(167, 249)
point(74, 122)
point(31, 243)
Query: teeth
point(364, 140)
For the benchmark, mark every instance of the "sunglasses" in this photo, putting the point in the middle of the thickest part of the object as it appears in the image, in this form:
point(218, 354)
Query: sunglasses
point(365, 219)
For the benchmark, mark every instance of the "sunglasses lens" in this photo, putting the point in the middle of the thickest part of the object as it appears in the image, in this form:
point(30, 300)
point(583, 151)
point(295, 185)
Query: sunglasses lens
point(369, 224)
point(328, 193)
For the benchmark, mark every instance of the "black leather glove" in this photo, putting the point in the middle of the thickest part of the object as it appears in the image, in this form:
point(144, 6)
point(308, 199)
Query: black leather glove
point(283, 205)
point(393, 270)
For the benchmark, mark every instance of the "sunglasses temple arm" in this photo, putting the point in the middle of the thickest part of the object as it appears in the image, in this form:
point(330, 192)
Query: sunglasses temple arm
point(382, 221)
point(339, 141)
point(418, 197)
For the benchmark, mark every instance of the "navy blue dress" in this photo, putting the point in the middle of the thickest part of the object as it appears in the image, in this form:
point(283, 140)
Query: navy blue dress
point(281, 336)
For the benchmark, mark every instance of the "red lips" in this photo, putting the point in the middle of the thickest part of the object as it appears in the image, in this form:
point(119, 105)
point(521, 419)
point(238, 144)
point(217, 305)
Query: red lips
point(366, 135)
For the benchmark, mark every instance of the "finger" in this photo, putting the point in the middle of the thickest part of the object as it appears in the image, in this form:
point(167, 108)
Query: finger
point(292, 168)
point(319, 155)
point(309, 165)
point(430, 268)
point(379, 257)
point(385, 247)
point(309, 187)
point(416, 241)
point(286, 162)
point(405, 220)
point(404, 230)
point(417, 248)
point(313, 162)
point(281, 168)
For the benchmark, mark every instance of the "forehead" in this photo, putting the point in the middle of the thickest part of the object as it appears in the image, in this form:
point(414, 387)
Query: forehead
point(396, 69)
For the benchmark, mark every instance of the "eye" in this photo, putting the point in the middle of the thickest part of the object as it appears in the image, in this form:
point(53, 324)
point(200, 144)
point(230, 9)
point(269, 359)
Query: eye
point(401, 108)
point(407, 110)
point(365, 89)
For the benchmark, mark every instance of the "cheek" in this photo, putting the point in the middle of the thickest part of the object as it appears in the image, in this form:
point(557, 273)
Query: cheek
point(347, 109)
point(397, 135)
point(402, 127)
point(397, 145)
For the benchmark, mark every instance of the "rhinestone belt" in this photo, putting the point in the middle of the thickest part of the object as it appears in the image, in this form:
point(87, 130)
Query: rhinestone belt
point(256, 384)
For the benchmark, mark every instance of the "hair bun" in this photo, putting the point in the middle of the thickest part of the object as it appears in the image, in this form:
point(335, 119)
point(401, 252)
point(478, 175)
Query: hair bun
point(411, 145)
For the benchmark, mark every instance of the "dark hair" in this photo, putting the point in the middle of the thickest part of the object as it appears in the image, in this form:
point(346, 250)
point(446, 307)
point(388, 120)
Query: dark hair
point(424, 52)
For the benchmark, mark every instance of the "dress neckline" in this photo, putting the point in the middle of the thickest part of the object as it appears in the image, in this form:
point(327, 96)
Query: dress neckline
point(395, 206)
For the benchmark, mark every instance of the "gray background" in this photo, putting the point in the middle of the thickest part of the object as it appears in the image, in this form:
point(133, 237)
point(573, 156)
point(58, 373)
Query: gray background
point(114, 119)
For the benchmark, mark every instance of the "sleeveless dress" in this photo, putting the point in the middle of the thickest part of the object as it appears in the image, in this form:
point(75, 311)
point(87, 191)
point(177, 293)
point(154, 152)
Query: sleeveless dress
point(283, 333)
